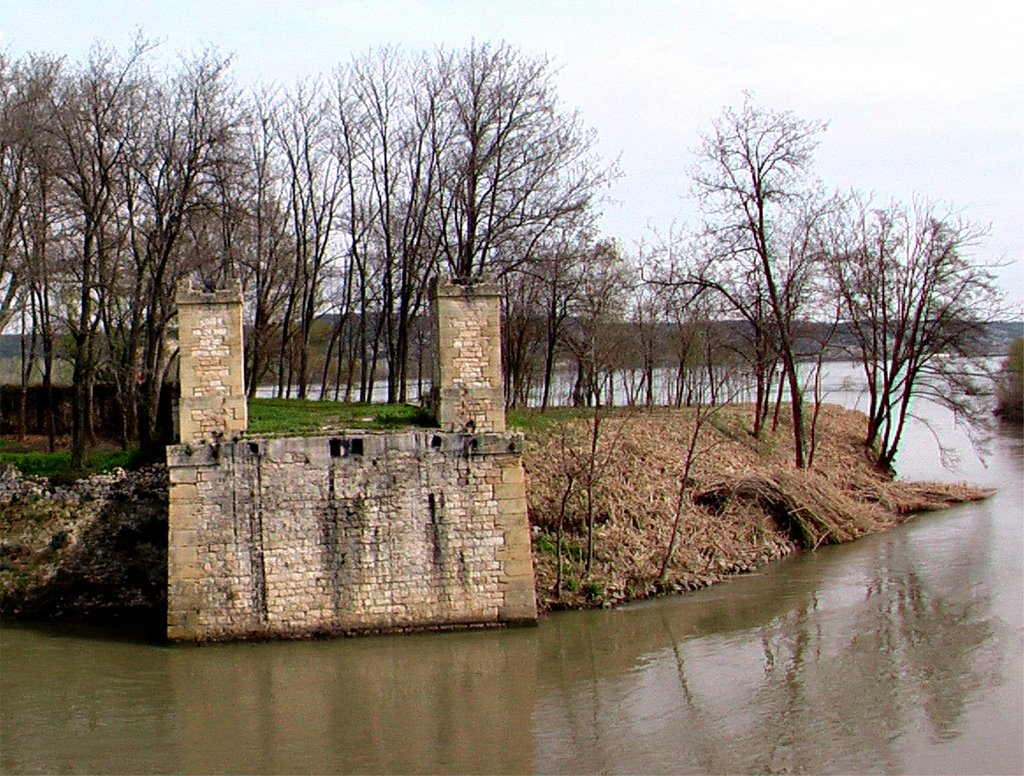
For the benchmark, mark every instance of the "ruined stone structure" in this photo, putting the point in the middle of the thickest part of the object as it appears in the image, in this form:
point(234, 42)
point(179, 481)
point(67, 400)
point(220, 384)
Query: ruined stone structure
point(211, 371)
point(352, 531)
point(333, 534)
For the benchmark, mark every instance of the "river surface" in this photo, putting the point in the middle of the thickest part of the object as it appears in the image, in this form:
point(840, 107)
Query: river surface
point(899, 653)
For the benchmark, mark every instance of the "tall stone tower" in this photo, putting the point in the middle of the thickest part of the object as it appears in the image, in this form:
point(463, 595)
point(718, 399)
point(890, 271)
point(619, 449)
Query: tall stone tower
point(211, 364)
point(470, 396)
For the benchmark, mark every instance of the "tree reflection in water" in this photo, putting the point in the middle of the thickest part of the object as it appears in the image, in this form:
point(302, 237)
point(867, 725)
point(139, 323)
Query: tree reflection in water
point(866, 657)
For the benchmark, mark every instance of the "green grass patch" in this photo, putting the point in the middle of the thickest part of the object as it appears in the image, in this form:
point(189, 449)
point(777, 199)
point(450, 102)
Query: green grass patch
point(535, 420)
point(545, 544)
point(593, 590)
point(573, 549)
point(303, 416)
point(57, 465)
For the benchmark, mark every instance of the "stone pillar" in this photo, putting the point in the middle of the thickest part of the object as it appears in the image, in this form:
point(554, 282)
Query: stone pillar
point(211, 364)
point(469, 392)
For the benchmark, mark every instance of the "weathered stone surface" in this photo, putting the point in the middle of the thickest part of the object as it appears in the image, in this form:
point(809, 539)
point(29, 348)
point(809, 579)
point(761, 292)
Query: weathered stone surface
point(212, 404)
point(299, 536)
point(293, 537)
point(470, 391)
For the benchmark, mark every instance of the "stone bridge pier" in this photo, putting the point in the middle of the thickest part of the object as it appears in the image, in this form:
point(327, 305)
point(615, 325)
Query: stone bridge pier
point(349, 531)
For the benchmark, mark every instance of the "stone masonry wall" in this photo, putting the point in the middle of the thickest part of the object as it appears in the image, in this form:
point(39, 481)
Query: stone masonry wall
point(470, 393)
point(213, 405)
point(323, 535)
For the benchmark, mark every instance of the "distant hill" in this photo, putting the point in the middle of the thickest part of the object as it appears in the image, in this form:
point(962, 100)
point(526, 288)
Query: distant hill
point(10, 345)
point(1000, 335)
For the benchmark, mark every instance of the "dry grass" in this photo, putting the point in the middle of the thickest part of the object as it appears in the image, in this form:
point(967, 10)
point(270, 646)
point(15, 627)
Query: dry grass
point(743, 505)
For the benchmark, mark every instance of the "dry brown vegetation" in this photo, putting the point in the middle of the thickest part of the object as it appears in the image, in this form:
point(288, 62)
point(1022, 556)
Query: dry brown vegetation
point(742, 506)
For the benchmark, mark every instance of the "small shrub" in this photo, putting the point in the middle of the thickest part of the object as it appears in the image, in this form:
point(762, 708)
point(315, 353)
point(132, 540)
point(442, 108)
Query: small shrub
point(593, 590)
point(545, 544)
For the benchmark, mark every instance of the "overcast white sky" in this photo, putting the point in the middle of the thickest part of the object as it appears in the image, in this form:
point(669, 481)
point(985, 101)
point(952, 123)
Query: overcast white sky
point(923, 97)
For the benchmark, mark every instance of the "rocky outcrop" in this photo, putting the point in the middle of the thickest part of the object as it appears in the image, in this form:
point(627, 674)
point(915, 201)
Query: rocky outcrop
point(95, 549)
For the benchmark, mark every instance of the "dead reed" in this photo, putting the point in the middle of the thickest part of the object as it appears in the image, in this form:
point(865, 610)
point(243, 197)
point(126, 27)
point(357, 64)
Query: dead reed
point(741, 506)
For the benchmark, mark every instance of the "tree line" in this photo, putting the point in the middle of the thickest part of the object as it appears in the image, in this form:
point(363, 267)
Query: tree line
point(333, 201)
point(339, 196)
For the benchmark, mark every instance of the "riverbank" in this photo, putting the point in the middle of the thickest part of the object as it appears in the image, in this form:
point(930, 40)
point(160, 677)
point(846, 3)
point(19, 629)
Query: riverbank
point(97, 548)
point(741, 507)
point(94, 549)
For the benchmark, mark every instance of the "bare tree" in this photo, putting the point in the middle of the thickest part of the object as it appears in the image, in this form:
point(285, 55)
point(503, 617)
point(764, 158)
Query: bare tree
point(562, 271)
point(172, 201)
point(733, 299)
point(263, 267)
point(1010, 384)
point(752, 185)
point(14, 171)
point(647, 314)
point(540, 298)
point(522, 335)
point(89, 138)
point(314, 186)
point(514, 166)
point(697, 446)
point(27, 209)
point(915, 302)
point(595, 337)
point(352, 139)
point(399, 103)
